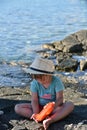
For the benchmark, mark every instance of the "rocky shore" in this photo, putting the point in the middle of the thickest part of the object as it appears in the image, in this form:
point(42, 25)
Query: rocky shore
point(74, 76)
point(66, 51)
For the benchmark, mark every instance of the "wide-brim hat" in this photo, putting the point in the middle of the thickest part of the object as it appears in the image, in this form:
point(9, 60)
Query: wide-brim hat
point(41, 66)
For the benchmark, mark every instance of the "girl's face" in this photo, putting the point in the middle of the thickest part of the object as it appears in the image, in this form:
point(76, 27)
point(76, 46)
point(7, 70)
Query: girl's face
point(36, 76)
point(42, 79)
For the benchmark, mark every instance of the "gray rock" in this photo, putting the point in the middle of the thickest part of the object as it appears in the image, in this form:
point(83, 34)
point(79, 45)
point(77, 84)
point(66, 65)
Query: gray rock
point(67, 65)
point(74, 44)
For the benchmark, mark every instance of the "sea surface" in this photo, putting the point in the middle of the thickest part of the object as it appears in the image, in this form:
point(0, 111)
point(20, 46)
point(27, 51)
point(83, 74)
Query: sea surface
point(25, 25)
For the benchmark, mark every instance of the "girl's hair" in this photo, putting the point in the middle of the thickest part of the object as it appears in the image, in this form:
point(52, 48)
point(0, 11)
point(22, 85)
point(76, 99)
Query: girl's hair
point(37, 76)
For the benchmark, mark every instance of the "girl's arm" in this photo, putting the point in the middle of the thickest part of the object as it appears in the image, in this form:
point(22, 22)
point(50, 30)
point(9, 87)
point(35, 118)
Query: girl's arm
point(59, 99)
point(35, 103)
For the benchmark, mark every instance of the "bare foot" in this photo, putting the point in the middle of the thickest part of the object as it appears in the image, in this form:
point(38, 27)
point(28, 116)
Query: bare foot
point(46, 123)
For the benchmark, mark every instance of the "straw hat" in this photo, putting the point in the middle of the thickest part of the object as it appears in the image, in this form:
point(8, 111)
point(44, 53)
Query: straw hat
point(41, 66)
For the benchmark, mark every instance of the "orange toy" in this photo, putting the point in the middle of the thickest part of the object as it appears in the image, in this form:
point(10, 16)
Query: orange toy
point(47, 109)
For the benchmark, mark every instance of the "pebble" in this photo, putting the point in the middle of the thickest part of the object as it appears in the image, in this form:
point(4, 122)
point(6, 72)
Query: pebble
point(1, 112)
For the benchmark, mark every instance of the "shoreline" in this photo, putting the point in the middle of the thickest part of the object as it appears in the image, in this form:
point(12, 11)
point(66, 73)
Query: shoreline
point(12, 74)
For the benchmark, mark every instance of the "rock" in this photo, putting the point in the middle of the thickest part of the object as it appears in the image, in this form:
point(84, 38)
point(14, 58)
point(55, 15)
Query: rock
point(18, 128)
point(61, 51)
point(83, 65)
point(48, 46)
point(71, 44)
point(58, 45)
point(81, 35)
point(34, 126)
point(67, 65)
point(1, 112)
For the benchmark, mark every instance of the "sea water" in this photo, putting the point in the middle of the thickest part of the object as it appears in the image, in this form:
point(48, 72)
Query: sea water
point(25, 25)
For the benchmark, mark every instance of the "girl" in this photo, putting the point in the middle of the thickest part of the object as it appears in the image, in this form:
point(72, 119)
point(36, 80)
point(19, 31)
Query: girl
point(45, 88)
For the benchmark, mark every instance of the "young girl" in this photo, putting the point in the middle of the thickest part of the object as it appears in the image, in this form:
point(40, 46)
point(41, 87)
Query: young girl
point(45, 88)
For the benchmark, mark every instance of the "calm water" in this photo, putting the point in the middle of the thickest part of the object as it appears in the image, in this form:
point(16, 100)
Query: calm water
point(27, 24)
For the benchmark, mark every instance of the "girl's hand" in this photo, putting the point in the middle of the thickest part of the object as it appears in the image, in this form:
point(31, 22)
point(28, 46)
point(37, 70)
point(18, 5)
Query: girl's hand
point(34, 118)
point(44, 113)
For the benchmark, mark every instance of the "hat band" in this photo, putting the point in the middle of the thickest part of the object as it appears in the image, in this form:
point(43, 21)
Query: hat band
point(41, 71)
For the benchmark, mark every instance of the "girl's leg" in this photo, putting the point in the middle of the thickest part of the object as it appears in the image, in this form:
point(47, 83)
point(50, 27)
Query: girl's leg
point(59, 113)
point(24, 109)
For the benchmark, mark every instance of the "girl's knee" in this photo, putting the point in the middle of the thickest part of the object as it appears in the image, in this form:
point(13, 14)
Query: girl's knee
point(17, 108)
point(70, 105)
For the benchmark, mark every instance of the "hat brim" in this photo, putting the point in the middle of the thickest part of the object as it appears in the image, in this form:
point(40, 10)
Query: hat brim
point(29, 70)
